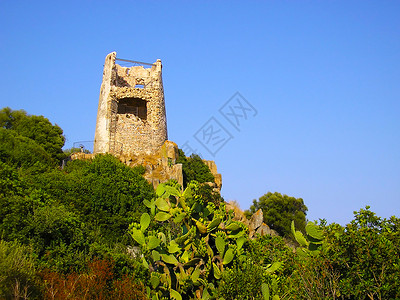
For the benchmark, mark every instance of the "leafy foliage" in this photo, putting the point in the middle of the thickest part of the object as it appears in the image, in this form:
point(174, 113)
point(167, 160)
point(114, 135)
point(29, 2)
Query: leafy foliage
point(194, 168)
point(189, 245)
point(17, 271)
point(37, 128)
point(103, 192)
point(19, 151)
point(67, 233)
point(280, 210)
point(366, 254)
point(242, 281)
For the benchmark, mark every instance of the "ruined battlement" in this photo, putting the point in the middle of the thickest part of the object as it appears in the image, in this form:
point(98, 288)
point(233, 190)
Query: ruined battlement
point(131, 118)
point(132, 124)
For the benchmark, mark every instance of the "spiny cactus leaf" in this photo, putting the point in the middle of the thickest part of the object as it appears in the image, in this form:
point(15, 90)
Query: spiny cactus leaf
point(160, 190)
point(179, 218)
point(175, 295)
point(217, 271)
point(275, 266)
point(184, 237)
point(302, 252)
point(206, 212)
point(236, 235)
point(154, 242)
point(145, 264)
point(233, 227)
point(300, 239)
point(314, 231)
point(148, 203)
point(155, 281)
point(162, 237)
point(206, 295)
point(314, 241)
point(240, 241)
point(187, 193)
point(173, 247)
point(265, 291)
point(138, 236)
point(197, 207)
point(156, 255)
point(313, 247)
point(229, 255)
point(213, 224)
point(162, 216)
point(169, 259)
point(202, 228)
point(220, 244)
point(182, 202)
point(144, 221)
point(195, 275)
point(185, 256)
point(210, 251)
point(192, 262)
point(162, 204)
point(170, 190)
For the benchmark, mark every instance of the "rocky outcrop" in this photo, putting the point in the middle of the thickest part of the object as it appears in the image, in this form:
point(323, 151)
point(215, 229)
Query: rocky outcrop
point(217, 177)
point(160, 166)
point(255, 224)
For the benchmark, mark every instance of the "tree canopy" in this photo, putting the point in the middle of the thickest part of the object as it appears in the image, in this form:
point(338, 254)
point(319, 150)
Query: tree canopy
point(280, 210)
point(37, 128)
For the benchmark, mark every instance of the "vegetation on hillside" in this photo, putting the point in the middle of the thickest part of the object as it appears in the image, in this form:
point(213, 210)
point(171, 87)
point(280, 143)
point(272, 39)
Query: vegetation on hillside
point(279, 211)
point(194, 168)
point(96, 229)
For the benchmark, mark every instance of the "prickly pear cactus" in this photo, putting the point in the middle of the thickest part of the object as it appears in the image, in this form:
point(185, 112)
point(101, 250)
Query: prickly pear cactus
point(186, 244)
point(312, 241)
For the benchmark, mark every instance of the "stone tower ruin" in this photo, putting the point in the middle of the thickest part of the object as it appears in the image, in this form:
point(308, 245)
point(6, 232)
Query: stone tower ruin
point(131, 117)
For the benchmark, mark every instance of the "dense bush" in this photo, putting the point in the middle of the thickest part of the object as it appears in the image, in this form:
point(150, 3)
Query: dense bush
point(366, 254)
point(97, 282)
point(19, 151)
point(66, 234)
point(194, 168)
point(17, 272)
point(279, 212)
point(37, 128)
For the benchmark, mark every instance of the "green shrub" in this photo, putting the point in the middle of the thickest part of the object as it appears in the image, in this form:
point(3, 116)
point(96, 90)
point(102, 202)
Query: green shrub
point(194, 168)
point(242, 281)
point(17, 272)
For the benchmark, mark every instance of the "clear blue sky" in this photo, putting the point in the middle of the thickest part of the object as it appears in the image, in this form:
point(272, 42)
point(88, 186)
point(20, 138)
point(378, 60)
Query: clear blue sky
point(324, 77)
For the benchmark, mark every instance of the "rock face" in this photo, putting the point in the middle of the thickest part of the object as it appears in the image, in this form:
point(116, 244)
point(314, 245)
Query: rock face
point(131, 117)
point(160, 165)
point(256, 224)
point(217, 177)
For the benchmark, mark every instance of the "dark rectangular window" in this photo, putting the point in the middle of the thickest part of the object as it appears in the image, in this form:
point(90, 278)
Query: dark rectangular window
point(135, 106)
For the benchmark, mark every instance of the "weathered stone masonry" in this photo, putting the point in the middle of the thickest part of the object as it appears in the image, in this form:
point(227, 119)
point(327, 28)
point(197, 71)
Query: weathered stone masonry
point(131, 121)
point(131, 117)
